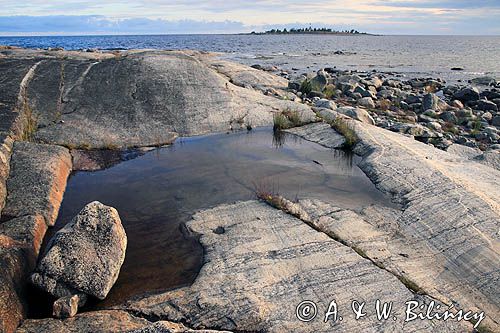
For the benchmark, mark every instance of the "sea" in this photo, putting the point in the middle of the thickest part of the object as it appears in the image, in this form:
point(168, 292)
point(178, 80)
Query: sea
point(407, 56)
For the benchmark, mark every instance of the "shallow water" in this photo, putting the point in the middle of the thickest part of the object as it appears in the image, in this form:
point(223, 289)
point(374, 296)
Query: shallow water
point(415, 56)
point(159, 191)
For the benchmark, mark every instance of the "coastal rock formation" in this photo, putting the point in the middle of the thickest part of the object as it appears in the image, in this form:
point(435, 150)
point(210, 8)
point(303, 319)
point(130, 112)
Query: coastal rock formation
point(261, 263)
point(170, 327)
point(37, 181)
point(36, 185)
point(15, 264)
point(106, 321)
point(109, 321)
point(85, 256)
point(144, 98)
point(449, 221)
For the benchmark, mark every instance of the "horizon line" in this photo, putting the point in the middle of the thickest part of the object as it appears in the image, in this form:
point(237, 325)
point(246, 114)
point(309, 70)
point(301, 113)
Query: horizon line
point(369, 34)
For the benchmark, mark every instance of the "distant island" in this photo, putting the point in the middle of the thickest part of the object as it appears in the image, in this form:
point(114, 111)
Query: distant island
point(310, 30)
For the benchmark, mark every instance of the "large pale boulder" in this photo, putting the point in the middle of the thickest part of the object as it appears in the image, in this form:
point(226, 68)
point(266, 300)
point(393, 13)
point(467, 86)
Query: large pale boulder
point(85, 256)
point(356, 113)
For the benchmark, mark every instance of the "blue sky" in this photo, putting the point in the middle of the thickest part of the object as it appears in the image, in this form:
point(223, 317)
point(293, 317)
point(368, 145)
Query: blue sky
point(69, 17)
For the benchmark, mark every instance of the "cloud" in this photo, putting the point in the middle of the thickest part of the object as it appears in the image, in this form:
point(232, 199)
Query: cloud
point(97, 24)
point(222, 16)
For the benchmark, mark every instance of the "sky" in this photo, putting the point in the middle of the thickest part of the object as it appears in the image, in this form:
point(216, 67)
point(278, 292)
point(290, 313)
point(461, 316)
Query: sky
point(75, 17)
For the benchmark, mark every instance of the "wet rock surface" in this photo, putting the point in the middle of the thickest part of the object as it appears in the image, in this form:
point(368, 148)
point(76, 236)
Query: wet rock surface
point(85, 256)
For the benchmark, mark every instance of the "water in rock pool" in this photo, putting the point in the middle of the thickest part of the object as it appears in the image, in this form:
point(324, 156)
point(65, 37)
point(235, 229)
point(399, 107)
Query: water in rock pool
point(157, 192)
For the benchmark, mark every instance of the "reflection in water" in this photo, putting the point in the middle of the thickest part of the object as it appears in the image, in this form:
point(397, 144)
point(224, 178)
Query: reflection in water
point(279, 138)
point(159, 191)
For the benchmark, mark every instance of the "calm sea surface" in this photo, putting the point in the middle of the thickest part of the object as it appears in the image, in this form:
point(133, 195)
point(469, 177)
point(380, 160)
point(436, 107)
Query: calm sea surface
point(415, 56)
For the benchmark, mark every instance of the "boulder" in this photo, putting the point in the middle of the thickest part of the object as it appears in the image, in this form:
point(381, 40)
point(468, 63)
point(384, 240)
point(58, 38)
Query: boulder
point(487, 116)
point(467, 95)
point(457, 104)
point(496, 121)
point(430, 101)
point(412, 99)
point(367, 102)
point(356, 113)
point(363, 92)
point(435, 126)
point(484, 105)
point(66, 307)
point(483, 81)
point(319, 82)
point(85, 255)
point(325, 103)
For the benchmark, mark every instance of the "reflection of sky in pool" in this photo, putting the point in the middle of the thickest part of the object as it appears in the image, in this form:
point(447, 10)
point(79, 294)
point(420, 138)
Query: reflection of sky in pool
point(156, 192)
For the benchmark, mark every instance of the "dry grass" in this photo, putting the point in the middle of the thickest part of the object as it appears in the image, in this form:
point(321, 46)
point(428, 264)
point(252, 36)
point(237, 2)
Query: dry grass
point(343, 127)
point(27, 124)
point(286, 119)
point(293, 116)
point(280, 122)
point(268, 193)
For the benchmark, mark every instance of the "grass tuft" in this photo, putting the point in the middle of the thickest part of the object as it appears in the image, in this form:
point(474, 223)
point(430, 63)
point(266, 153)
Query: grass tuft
point(286, 119)
point(280, 122)
point(28, 123)
point(343, 127)
point(265, 192)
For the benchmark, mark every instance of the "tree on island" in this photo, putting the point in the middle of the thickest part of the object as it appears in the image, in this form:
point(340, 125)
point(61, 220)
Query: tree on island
point(308, 30)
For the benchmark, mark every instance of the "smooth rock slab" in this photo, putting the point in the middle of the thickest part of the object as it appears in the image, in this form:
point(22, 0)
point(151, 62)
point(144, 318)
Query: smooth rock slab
point(265, 264)
point(144, 98)
point(450, 217)
point(90, 322)
point(84, 256)
point(37, 181)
